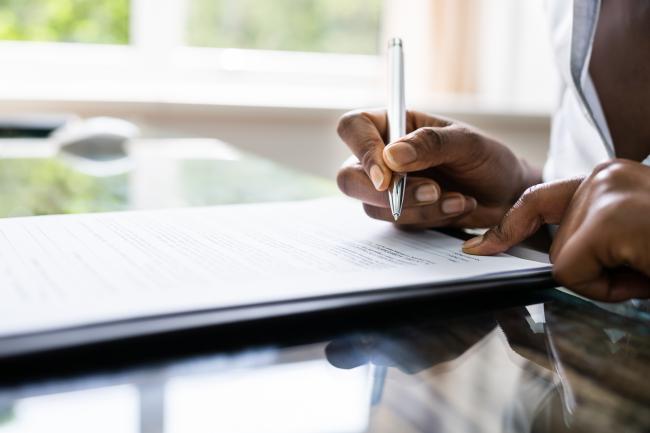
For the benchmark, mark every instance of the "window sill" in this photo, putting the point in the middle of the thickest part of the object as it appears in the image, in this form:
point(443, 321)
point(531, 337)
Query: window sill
point(40, 75)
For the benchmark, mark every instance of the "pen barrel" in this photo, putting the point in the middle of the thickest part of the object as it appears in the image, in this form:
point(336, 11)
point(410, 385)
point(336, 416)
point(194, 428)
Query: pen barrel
point(396, 119)
point(396, 100)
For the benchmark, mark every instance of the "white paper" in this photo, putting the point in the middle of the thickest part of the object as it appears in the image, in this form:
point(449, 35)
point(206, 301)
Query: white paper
point(68, 270)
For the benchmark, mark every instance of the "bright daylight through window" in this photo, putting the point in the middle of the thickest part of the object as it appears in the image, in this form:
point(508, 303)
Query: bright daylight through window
point(288, 53)
point(87, 21)
point(334, 26)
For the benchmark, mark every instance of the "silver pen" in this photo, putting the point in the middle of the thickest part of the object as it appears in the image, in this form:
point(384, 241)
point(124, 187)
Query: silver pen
point(396, 119)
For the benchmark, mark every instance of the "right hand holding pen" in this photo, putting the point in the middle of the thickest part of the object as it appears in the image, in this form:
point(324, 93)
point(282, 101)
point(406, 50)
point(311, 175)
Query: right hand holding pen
point(457, 176)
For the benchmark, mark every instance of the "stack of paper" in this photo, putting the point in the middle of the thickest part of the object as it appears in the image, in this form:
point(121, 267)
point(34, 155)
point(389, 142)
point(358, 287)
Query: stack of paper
point(70, 270)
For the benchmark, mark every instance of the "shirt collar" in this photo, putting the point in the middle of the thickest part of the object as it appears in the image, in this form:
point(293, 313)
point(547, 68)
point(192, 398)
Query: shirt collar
point(585, 20)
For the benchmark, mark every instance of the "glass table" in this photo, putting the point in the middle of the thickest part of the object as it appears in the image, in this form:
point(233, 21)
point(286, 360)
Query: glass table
point(562, 365)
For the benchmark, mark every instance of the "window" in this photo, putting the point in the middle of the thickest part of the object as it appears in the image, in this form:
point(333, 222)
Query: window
point(331, 26)
point(322, 53)
point(319, 53)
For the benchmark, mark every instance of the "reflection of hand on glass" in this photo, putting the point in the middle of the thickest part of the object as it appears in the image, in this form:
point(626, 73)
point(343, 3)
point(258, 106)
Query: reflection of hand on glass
point(593, 356)
point(564, 371)
point(411, 349)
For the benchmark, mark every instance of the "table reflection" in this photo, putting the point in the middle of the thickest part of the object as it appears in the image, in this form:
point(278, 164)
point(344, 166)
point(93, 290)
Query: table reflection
point(154, 173)
point(297, 397)
point(106, 409)
point(566, 365)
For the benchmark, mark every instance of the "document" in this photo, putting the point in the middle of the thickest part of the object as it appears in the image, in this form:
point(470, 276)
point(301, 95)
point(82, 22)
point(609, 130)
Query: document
point(69, 270)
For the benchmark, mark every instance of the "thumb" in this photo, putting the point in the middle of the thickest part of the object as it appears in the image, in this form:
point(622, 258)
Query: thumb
point(431, 146)
point(544, 203)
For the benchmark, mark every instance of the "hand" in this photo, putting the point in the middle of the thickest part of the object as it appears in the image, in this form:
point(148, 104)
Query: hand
point(458, 176)
point(602, 248)
point(419, 345)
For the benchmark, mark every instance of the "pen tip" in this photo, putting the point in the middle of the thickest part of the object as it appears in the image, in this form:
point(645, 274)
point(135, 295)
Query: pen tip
point(396, 216)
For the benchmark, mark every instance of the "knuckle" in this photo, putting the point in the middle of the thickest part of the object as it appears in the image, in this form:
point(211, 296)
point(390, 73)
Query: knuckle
point(529, 197)
point(627, 253)
point(472, 139)
point(502, 232)
point(347, 121)
point(368, 157)
point(608, 164)
point(430, 139)
point(605, 212)
point(470, 135)
point(611, 172)
point(613, 213)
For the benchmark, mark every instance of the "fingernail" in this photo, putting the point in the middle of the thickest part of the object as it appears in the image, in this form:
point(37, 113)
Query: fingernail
point(426, 193)
point(474, 242)
point(453, 205)
point(401, 153)
point(376, 176)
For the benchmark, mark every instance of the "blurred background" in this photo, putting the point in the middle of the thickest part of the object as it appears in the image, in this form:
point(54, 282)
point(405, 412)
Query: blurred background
point(272, 77)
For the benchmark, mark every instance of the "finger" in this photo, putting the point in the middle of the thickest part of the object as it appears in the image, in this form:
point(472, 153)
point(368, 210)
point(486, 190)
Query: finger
point(623, 284)
point(581, 266)
point(545, 203)
point(363, 132)
point(348, 353)
point(432, 146)
point(353, 182)
point(575, 215)
point(450, 207)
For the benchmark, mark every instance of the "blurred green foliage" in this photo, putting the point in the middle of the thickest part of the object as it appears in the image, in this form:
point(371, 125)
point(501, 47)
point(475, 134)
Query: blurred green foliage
point(48, 186)
point(89, 21)
point(341, 26)
point(51, 186)
point(297, 25)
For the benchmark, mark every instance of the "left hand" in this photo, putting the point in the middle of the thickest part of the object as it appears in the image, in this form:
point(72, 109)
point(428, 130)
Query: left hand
point(602, 248)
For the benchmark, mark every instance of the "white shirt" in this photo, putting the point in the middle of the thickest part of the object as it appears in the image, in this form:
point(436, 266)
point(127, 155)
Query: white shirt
point(580, 137)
